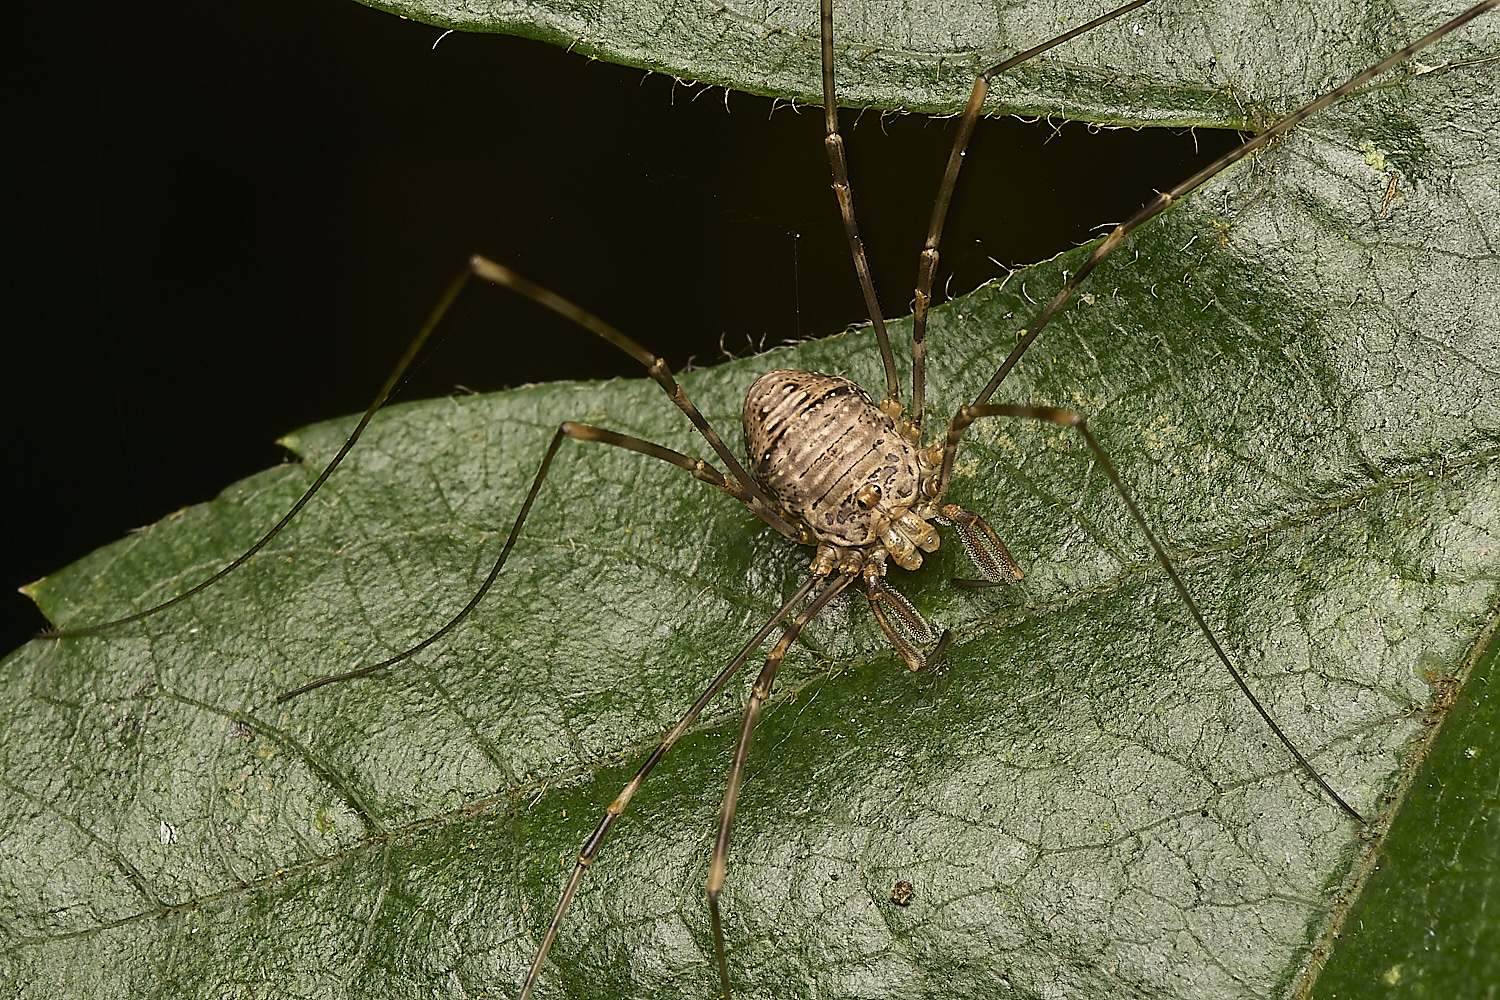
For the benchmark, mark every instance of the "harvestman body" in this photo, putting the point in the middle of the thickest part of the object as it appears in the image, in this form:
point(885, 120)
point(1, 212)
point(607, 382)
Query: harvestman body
point(829, 467)
point(852, 475)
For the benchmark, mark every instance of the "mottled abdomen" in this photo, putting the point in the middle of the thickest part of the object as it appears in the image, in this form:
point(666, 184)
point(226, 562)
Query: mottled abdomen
point(814, 441)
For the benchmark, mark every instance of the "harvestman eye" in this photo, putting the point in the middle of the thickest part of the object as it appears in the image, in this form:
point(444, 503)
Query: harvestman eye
point(862, 481)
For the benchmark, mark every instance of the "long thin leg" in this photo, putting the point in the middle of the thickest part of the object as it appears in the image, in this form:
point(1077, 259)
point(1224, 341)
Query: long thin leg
point(436, 316)
point(595, 842)
point(656, 367)
point(759, 693)
point(927, 269)
point(745, 487)
point(1163, 200)
point(1069, 418)
point(833, 142)
point(700, 469)
point(838, 161)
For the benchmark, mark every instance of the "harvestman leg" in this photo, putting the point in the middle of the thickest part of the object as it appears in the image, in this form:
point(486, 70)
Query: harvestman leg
point(596, 839)
point(741, 486)
point(759, 693)
point(1070, 418)
point(700, 469)
point(834, 143)
point(738, 484)
point(438, 311)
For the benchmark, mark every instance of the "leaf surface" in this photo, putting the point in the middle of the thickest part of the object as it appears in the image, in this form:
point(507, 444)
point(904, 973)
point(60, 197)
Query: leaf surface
point(1296, 369)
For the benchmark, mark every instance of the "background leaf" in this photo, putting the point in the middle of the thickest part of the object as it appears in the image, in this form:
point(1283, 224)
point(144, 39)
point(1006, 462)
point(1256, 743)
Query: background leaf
point(1304, 397)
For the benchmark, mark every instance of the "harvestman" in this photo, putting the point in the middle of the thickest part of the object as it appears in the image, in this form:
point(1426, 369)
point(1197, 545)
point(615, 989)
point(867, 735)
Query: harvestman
point(873, 506)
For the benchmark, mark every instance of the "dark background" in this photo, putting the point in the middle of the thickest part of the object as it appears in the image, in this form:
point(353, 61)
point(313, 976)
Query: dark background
point(224, 220)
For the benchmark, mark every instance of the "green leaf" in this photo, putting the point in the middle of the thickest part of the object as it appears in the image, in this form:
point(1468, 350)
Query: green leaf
point(1296, 369)
point(1422, 926)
